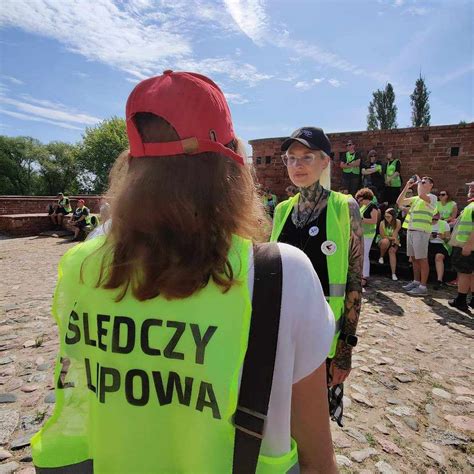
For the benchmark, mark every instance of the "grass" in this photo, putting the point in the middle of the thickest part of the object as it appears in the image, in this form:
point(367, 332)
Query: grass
point(370, 439)
point(39, 341)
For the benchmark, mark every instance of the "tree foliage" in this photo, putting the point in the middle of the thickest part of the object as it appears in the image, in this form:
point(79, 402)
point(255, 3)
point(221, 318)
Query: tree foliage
point(382, 110)
point(100, 148)
point(420, 107)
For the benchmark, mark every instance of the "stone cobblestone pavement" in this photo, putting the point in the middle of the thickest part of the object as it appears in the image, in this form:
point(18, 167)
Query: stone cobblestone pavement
point(409, 400)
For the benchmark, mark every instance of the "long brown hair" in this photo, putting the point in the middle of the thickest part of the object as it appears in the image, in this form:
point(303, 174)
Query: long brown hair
point(393, 223)
point(173, 219)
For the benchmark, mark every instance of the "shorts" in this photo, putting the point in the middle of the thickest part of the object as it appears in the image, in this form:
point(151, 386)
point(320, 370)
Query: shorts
point(461, 263)
point(436, 248)
point(417, 244)
point(80, 224)
point(61, 210)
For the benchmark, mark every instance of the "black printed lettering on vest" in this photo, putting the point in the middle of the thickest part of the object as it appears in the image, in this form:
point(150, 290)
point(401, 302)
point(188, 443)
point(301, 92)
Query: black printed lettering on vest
point(145, 336)
point(206, 389)
point(174, 382)
point(169, 349)
point(201, 342)
point(90, 386)
point(101, 331)
point(112, 386)
point(76, 336)
point(65, 364)
point(121, 321)
point(145, 387)
point(87, 338)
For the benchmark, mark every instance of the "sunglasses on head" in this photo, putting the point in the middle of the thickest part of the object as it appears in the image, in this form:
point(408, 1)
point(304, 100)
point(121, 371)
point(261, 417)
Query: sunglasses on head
point(349, 144)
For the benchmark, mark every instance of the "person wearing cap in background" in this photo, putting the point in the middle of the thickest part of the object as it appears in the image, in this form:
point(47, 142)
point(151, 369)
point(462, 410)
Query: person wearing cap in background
point(350, 166)
point(393, 179)
point(63, 208)
point(81, 217)
point(462, 258)
point(422, 209)
point(327, 226)
point(167, 363)
point(372, 175)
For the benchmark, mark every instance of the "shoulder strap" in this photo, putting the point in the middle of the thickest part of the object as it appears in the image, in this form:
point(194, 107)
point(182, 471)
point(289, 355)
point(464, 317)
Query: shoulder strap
point(257, 374)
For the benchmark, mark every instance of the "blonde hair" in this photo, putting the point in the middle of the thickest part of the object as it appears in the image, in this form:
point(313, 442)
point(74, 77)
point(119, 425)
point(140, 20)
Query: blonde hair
point(325, 178)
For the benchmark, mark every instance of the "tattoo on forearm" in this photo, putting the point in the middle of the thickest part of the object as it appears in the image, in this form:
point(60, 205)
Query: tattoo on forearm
point(356, 249)
point(343, 357)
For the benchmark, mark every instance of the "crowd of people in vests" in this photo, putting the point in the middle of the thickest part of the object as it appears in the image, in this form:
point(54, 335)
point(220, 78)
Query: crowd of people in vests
point(196, 334)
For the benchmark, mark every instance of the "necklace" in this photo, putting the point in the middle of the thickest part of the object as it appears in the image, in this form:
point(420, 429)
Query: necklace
point(301, 246)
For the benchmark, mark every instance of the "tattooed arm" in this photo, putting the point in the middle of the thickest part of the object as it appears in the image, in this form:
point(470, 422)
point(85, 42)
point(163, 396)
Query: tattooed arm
point(342, 361)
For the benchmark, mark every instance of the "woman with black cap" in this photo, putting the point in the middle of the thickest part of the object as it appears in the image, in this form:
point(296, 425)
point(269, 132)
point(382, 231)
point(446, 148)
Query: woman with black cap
point(181, 350)
point(326, 225)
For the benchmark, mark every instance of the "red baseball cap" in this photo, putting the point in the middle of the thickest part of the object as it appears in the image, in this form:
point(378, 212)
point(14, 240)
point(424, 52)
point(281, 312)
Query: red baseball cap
point(193, 104)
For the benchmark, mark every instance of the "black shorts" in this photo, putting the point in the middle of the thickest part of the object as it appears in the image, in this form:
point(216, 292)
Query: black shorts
point(461, 263)
point(80, 224)
point(433, 249)
point(61, 210)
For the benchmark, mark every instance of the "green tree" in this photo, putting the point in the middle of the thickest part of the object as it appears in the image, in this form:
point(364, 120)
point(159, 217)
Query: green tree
point(59, 168)
point(382, 110)
point(100, 148)
point(19, 165)
point(420, 107)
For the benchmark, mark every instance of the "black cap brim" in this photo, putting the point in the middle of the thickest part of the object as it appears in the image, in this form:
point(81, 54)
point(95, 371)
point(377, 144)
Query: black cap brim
point(287, 143)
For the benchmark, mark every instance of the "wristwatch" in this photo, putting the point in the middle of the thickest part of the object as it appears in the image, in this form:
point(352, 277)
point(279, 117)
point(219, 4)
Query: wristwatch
point(349, 339)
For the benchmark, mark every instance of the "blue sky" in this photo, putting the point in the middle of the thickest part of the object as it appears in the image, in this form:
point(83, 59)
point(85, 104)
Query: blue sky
point(65, 65)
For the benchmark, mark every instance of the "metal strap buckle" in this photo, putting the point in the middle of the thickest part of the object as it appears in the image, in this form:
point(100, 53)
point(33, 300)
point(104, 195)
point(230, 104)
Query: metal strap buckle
point(250, 421)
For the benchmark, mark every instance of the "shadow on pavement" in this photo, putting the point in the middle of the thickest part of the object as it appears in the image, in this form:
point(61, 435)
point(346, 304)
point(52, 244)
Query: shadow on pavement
point(384, 303)
point(450, 316)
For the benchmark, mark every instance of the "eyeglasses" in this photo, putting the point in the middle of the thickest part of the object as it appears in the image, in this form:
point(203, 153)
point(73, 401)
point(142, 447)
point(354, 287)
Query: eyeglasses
point(349, 144)
point(442, 194)
point(294, 161)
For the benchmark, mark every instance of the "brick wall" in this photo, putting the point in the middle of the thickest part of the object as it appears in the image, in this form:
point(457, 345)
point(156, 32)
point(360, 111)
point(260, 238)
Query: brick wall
point(39, 204)
point(422, 151)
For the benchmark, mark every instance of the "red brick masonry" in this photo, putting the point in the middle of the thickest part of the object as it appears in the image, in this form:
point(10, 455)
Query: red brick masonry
point(423, 151)
point(39, 204)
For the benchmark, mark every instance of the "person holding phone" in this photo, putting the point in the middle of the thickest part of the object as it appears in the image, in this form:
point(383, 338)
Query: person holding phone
point(422, 209)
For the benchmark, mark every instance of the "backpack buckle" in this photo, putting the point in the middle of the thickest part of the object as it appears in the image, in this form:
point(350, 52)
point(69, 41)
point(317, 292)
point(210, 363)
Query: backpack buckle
point(250, 421)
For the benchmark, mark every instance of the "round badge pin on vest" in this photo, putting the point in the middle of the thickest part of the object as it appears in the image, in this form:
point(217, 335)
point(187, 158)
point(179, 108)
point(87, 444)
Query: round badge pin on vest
point(313, 231)
point(328, 247)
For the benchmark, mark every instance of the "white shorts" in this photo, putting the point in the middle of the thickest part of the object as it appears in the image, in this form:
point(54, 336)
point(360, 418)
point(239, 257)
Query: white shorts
point(417, 244)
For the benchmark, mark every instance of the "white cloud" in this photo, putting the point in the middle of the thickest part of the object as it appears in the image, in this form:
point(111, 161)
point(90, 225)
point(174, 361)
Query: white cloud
point(416, 11)
point(47, 111)
point(21, 116)
point(318, 80)
point(236, 99)
point(335, 82)
point(250, 17)
point(11, 79)
point(451, 76)
point(303, 85)
point(398, 3)
point(80, 74)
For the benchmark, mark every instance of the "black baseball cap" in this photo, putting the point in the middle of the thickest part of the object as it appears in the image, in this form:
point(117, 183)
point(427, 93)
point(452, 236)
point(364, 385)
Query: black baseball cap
point(311, 137)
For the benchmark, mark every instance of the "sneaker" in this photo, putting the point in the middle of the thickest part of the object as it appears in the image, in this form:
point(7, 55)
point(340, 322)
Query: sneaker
point(394, 277)
point(410, 286)
point(471, 304)
point(453, 283)
point(381, 260)
point(418, 291)
point(462, 307)
point(438, 285)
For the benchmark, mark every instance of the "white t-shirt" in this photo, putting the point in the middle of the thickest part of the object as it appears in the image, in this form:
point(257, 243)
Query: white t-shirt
point(304, 339)
point(439, 228)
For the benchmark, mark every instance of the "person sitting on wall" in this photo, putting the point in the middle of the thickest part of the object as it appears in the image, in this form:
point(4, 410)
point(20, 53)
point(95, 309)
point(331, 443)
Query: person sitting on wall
point(62, 208)
point(79, 219)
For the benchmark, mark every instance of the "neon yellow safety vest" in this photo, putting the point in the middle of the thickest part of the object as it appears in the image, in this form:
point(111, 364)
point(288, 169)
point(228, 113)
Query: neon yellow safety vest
point(420, 215)
point(349, 159)
point(407, 220)
point(151, 386)
point(338, 230)
point(443, 227)
point(65, 203)
point(88, 217)
point(464, 226)
point(445, 210)
point(391, 168)
point(369, 229)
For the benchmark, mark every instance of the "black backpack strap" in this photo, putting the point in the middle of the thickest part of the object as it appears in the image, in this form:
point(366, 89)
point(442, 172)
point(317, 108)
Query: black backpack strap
point(257, 374)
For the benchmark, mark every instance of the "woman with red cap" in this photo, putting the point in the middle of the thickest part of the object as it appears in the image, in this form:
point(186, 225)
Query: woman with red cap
point(181, 350)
